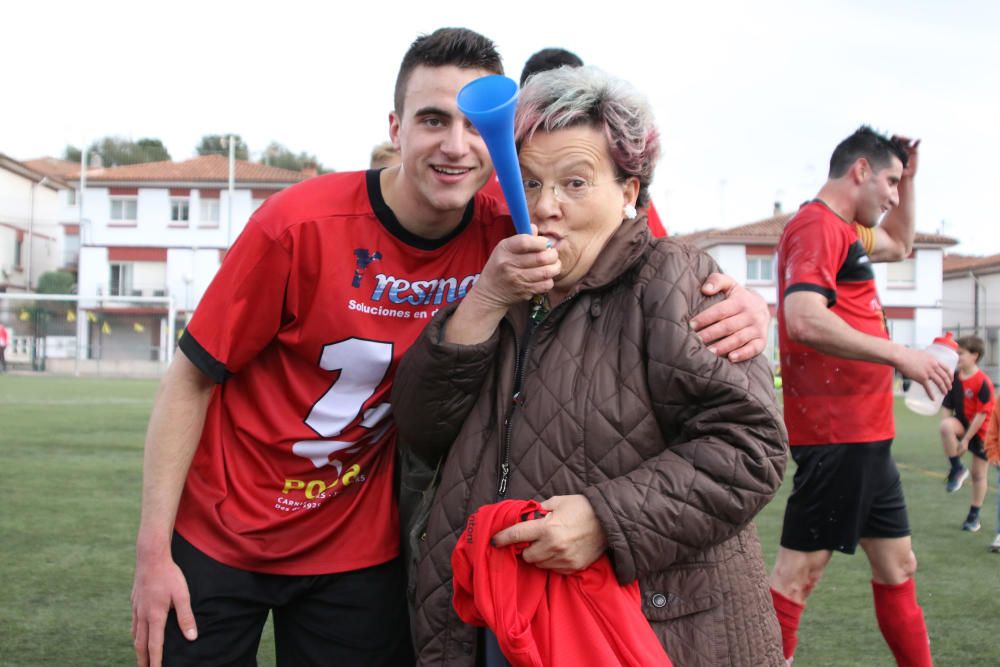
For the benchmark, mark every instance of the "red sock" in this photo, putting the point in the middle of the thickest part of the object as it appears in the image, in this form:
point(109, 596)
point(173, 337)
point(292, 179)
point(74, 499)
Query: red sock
point(789, 612)
point(901, 621)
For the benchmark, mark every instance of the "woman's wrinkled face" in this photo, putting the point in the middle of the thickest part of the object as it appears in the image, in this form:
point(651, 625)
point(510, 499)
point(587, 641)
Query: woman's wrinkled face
point(574, 195)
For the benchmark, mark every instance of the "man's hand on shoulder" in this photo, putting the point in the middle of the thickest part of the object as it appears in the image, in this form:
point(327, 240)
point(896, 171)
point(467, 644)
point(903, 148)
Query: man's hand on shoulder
point(737, 327)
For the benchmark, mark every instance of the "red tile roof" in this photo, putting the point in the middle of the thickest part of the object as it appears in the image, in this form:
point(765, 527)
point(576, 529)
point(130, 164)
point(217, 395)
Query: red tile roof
point(768, 231)
point(956, 263)
point(206, 168)
point(50, 181)
point(51, 166)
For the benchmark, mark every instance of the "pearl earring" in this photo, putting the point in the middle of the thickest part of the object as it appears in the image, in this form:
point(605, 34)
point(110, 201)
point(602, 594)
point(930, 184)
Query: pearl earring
point(630, 212)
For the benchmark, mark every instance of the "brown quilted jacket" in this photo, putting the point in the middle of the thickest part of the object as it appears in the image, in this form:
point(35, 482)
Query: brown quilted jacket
point(675, 448)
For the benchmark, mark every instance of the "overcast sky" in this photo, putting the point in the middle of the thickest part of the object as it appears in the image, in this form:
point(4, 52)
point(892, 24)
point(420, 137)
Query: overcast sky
point(751, 97)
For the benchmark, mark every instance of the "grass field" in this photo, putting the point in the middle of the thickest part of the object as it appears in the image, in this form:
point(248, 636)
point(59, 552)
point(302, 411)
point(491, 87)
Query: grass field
point(70, 459)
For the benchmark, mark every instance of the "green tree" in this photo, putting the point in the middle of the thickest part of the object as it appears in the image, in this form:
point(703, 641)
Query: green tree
point(71, 153)
point(56, 282)
point(277, 155)
point(118, 151)
point(217, 144)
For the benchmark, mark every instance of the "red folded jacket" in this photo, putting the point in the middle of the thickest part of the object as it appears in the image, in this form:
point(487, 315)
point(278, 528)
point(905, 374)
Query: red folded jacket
point(541, 618)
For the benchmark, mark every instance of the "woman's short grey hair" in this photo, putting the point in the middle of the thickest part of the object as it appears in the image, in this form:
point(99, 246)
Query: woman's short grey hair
point(572, 96)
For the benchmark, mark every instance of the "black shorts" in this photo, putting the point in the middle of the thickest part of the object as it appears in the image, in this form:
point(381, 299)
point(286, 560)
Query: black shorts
point(976, 445)
point(978, 448)
point(842, 493)
point(349, 618)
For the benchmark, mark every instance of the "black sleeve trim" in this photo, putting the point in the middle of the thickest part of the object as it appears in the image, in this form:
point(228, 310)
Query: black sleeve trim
point(831, 296)
point(953, 400)
point(199, 356)
point(984, 392)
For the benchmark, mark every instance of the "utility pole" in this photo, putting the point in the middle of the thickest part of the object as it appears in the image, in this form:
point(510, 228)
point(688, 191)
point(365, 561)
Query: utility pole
point(31, 232)
point(232, 191)
point(82, 335)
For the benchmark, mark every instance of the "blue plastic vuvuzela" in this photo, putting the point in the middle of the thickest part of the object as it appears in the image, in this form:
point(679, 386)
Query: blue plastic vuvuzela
point(489, 103)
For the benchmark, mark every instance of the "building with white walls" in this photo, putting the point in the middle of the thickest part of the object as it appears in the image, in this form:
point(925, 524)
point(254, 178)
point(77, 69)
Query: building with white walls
point(30, 236)
point(972, 303)
point(158, 229)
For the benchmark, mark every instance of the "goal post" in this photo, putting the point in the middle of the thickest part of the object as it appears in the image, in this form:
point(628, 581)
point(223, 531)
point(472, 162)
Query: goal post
point(88, 335)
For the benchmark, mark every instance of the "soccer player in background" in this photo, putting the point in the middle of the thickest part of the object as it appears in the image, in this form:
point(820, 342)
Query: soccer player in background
point(968, 406)
point(836, 363)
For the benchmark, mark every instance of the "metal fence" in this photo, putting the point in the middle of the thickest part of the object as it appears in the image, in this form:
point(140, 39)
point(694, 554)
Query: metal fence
point(89, 335)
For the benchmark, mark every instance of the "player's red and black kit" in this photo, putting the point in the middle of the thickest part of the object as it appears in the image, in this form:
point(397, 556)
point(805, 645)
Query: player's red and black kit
point(302, 328)
point(967, 398)
point(838, 411)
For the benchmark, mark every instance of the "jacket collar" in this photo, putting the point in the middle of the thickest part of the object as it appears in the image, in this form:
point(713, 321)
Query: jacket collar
point(619, 254)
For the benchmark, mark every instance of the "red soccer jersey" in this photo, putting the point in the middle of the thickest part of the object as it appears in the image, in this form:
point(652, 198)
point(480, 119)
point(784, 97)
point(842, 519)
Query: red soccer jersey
point(970, 396)
point(828, 399)
point(653, 220)
point(303, 328)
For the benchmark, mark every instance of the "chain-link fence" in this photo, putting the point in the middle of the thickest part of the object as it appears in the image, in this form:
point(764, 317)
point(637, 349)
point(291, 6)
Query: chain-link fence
point(990, 335)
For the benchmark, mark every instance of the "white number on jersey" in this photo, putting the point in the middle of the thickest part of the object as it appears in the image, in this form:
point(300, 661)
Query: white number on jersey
point(362, 365)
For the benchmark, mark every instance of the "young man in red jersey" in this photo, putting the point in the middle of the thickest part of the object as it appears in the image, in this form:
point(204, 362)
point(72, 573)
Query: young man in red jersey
point(968, 406)
point(836, 362)
point(268, 474)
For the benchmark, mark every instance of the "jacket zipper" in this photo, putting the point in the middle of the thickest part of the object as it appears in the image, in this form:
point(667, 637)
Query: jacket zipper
point(538, 315)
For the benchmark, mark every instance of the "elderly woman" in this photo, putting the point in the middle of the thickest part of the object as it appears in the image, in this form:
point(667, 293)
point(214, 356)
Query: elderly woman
point(596, 398)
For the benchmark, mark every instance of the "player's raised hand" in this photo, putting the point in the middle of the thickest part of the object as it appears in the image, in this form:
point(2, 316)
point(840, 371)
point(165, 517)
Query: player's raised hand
point(910, 146)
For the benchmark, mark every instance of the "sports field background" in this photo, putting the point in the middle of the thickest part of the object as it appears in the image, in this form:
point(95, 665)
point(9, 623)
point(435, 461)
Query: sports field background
point(70, 475)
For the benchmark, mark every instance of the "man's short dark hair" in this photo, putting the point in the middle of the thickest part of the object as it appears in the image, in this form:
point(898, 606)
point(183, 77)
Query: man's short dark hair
point(973, 344)
point(547, 59)
point(447, 46)
point(869, 144)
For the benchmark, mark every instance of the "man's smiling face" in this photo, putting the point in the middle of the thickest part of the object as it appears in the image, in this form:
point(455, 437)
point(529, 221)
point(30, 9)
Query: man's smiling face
point(444, 160)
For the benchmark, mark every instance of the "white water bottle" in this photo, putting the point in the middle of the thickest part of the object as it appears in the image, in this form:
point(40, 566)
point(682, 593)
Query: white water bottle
point(945, 350)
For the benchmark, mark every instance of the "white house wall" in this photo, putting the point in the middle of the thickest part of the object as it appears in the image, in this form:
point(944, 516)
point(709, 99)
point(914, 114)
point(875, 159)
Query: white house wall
point(926, 288)
point(15, 198)
point(188, 274)
point(193, 251)
point(928, 325)
point(149, 277)
point(16, 210)
point(732, 259)
point(152, 228)
point(959, 301)
point(94, 273)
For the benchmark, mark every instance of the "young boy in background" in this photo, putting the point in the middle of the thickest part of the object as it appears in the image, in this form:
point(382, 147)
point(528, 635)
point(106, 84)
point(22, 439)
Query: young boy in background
point(969, 404)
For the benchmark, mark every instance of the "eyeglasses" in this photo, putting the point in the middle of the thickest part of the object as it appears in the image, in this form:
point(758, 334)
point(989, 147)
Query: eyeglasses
point(567, 190)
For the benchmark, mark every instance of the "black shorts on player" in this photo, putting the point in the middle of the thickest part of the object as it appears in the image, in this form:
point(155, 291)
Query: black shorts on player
point(355, 619)
point(978, 448)
point(841, 494)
